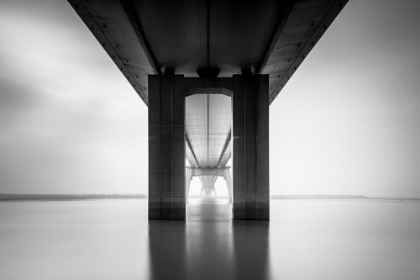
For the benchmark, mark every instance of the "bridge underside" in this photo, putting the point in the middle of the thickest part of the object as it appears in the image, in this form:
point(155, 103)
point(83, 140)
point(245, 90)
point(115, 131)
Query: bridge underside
point(178, 55)
point(146, 37)
point(167, 144)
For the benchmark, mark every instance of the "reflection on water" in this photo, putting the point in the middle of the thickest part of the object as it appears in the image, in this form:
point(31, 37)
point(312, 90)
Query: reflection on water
point(305, 239)
point(209, 245)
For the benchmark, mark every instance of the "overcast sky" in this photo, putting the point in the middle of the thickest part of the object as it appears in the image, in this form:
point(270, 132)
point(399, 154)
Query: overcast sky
point(348, 122)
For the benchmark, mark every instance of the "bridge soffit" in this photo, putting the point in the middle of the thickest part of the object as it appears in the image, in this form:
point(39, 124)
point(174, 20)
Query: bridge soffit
point(221, 172)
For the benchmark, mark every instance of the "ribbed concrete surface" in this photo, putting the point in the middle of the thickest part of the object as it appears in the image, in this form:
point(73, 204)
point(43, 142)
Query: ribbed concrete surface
point(208, 128)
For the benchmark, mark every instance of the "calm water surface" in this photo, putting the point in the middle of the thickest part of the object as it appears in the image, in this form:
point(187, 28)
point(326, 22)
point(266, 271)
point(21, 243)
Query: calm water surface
point(305, 239)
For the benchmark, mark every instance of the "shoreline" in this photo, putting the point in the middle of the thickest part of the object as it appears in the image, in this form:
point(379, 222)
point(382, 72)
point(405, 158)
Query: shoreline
point(62, 197)
point(70, 197)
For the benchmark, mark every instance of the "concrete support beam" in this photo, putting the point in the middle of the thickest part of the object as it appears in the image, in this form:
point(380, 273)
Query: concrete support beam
point(188, 178)
point(207, 171)
point(250, 108)
point(207, 186)
point(166, 147)
point(229, 185)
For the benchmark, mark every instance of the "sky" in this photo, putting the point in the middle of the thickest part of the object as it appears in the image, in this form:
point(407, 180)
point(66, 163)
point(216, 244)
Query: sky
point(348, 121)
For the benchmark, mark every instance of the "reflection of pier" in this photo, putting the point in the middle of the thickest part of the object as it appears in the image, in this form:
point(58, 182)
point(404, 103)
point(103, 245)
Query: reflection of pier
point(208, 71)
point(209, 245)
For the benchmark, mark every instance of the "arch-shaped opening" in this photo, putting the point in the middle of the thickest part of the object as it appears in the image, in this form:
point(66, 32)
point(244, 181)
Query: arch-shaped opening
point(208, 128)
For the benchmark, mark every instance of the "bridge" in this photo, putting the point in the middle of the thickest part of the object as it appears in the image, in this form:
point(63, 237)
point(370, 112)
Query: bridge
point(208, 71)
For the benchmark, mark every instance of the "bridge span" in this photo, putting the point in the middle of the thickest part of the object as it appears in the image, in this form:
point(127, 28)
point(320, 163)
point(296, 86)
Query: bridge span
point(208, 71)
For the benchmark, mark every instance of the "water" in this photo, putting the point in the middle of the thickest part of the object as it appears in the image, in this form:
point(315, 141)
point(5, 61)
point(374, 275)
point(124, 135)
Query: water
point(305, 239)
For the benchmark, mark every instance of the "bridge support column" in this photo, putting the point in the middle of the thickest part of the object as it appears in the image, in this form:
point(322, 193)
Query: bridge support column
point(250, 108)
point(207, 186)
point(166, 147)
point(188, 178)
point(228, 178)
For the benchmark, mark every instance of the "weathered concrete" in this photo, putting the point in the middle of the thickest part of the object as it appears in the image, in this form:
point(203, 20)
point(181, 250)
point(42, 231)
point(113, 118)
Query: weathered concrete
point(250, 104)
point(166, 147)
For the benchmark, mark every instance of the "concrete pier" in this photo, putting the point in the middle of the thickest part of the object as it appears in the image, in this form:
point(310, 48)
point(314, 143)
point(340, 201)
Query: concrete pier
point(168, 185)
point(250, 155)
point(166, 147)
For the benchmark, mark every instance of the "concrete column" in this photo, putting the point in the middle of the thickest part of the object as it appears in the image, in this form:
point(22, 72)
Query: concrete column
point(188, 177)
point(250, 108)
point(207, 186)
point(203, 185)
point(229, 186)
point(166, 147)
